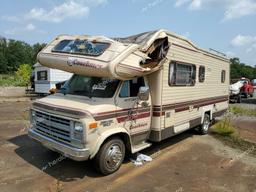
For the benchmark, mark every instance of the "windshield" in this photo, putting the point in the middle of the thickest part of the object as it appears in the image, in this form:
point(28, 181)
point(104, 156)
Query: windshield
point(90, 86)
point(81, 47)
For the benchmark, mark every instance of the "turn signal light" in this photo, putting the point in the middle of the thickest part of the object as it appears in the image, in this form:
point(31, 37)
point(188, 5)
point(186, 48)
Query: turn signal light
point(93, 125)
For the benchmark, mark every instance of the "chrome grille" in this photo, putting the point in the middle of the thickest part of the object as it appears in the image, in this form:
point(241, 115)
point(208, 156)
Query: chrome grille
point(53, 127)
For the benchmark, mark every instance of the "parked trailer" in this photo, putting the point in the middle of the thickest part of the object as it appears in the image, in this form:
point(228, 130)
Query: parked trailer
point(46, 78)
point(127, 93)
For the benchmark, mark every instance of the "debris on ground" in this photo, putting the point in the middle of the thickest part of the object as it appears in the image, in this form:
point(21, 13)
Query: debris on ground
point(141, 159)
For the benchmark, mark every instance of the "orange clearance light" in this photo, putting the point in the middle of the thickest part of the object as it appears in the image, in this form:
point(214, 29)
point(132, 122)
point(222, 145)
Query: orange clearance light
point(93, 125)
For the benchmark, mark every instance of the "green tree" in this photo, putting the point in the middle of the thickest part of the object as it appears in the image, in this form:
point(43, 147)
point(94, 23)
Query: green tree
point(23, 74)
point(3, 59)
point(18, 52)
point(36, 49)
point(238, 70)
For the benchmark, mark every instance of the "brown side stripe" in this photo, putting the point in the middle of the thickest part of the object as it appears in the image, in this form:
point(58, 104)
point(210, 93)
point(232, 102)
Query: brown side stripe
point(128, 118)
point(119, 113)
point(158, 114)
point(183, 106)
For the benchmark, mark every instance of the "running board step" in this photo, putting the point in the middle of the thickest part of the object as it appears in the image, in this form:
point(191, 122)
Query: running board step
point(140, 147)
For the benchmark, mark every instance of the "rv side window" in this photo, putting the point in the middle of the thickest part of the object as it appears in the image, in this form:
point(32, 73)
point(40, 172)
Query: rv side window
point(182, 74)
point(223, 76)
point(201, 75)
point(130, 88)
point(41, 75)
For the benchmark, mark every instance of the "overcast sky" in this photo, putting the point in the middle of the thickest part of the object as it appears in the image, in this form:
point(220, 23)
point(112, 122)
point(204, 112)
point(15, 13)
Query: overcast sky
point(225, 25)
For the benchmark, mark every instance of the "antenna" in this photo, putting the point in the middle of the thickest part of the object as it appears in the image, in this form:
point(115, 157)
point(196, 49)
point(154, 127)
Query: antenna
point(218, 52)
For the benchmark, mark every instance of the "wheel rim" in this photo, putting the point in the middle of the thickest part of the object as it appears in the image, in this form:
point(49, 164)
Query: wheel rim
point(114, 156)
point(206, 124)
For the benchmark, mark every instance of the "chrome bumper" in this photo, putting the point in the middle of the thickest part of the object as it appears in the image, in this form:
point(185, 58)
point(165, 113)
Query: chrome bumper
point(70, 152)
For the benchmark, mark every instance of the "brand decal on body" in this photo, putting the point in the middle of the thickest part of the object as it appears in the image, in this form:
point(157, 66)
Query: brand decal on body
point(74, 61)
point(106, 123)
point(139, 125)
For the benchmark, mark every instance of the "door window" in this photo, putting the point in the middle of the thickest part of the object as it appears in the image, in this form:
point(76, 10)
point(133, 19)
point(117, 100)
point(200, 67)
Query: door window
point(130, 88)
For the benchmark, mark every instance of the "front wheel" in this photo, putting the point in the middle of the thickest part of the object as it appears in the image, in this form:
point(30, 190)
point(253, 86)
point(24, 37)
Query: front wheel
point(110, 156)
point(204, 128)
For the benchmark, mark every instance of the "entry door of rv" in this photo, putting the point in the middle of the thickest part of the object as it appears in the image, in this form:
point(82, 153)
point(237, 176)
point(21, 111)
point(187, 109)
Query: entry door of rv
point(135, 118)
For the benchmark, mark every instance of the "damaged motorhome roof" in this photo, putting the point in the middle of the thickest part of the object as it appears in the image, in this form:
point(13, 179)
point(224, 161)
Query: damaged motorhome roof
point(121, 58)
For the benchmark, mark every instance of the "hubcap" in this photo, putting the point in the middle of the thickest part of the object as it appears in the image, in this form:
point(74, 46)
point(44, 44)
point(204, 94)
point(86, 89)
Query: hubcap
point(114, 156)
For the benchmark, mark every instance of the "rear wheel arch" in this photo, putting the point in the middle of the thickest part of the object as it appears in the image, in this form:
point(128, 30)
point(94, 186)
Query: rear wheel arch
point(208, 111)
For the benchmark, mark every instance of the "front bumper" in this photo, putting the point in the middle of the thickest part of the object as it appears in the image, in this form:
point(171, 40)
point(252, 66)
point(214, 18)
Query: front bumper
point(68, 151)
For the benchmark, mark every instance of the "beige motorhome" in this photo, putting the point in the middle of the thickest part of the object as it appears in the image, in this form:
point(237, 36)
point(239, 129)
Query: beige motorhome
point(127, 93)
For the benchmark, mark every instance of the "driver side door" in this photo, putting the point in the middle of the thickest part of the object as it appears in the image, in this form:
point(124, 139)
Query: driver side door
point(134, 115)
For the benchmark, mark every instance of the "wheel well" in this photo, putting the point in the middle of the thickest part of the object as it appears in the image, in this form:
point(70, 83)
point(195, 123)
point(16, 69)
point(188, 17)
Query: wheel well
point(124, 137)
point(208, 113)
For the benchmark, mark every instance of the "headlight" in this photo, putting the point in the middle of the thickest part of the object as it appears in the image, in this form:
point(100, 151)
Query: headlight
point(33, 118)
point(78, 131)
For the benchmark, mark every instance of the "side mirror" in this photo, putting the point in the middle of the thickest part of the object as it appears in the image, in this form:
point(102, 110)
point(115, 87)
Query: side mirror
point(143, 94)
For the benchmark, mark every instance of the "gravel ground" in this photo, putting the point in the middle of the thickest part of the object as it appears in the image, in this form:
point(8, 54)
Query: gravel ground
point(187, 162)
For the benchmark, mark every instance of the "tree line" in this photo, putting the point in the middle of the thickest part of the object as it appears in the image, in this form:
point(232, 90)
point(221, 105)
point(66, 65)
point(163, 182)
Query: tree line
point(13, 53)
point(238, 69)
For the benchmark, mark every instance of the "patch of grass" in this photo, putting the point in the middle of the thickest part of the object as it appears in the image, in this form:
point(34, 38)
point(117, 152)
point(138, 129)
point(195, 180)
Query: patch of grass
point(227, 133)
point(242, 111)
point(7, 80)
point(224, 128)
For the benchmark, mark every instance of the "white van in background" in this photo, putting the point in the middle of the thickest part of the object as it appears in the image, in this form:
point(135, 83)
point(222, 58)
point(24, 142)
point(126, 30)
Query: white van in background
point(46, 78)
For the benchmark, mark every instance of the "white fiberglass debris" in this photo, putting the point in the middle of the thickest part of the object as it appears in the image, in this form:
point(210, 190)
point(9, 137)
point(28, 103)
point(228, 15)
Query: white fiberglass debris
point(141, 159)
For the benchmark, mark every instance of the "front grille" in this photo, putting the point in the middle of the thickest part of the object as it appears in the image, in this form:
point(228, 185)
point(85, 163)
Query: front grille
point(56, 128)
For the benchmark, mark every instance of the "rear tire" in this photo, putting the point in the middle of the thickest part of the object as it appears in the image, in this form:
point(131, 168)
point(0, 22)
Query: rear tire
point(110, 156)
point(238, 99)
point(204, 128)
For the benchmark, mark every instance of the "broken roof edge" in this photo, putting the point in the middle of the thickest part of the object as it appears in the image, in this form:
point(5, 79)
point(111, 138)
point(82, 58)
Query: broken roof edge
point(153, 35)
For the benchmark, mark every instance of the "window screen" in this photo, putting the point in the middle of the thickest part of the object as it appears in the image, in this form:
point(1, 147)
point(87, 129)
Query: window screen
point(223, 76)
point(41, 75)
point(201, 75)
point(182, 74)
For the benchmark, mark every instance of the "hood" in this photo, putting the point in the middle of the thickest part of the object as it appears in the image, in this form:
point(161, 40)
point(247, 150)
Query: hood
point(74, 106)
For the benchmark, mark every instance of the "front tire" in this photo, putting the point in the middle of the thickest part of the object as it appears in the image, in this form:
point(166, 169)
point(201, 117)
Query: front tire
point(204, 128)
point(110, 156)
